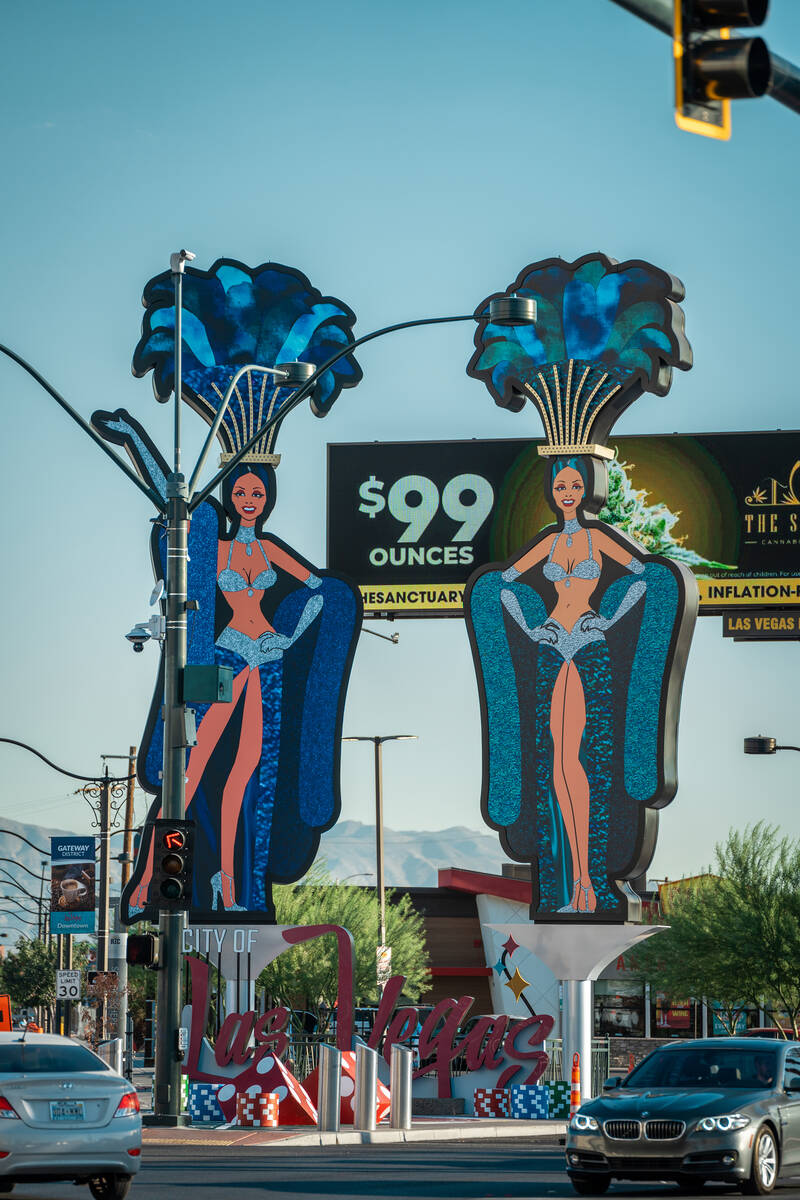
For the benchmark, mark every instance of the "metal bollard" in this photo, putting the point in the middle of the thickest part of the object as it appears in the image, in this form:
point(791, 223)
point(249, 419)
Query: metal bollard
point(400, 1085)
point(329, 1097)
point(366, 1097)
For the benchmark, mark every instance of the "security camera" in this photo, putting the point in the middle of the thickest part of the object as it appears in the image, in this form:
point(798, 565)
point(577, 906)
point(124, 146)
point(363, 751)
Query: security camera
point(138, 636)
point(177, 260)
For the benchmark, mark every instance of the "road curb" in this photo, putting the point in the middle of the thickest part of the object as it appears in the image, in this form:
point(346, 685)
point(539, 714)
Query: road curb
point(432, 1130)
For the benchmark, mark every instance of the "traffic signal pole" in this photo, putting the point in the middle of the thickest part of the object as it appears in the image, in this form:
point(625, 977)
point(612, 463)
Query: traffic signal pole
point(784, 85)
point(167, 1089)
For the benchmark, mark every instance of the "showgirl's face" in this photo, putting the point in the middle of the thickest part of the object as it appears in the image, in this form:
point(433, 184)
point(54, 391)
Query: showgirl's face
point(568, 490)
point(249, 498)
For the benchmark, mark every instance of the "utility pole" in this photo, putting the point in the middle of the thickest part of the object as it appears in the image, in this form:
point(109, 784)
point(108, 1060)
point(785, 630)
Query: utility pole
point(167, 1081)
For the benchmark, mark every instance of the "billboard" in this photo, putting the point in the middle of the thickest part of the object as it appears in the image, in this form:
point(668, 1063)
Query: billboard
point(410, 521)
point(72, 884)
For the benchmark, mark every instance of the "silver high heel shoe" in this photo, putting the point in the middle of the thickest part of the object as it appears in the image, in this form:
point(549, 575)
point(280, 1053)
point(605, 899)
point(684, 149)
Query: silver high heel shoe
point(216, 888)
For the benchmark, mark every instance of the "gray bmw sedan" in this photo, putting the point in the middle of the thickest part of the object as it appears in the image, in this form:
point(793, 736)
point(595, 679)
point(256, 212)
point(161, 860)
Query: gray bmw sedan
point(725, 1109)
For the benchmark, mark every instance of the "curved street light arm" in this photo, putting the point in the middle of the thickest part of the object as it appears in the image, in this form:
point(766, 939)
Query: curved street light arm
point(304, 391)
point(151, 494)
point(14, 916)
point(787, 747)
point(10, 881)
point(226, 399)
point(22, 838)
point(38, 878)
point(63, 771)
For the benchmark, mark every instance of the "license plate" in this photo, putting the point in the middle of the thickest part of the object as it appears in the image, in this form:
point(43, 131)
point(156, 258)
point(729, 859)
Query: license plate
point(66, 1110)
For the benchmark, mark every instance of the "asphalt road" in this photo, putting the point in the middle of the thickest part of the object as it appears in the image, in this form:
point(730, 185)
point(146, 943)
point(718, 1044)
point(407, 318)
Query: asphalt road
point(417, 1171)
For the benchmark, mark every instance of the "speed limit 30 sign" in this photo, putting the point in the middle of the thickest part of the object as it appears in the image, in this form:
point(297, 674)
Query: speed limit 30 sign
point(68, 985)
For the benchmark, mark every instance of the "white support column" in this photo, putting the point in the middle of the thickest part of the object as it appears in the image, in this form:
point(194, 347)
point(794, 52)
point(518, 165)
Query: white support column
point(579, 1008)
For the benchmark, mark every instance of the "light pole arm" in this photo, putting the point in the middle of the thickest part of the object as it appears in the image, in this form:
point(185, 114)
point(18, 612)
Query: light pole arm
point(151, 494)
point(10, 881)
point(304, 391)
point(785, 83)
point(226, 399)
point(63, 771)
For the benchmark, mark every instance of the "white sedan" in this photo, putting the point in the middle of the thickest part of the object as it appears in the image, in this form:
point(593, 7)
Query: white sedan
point(64, 1114)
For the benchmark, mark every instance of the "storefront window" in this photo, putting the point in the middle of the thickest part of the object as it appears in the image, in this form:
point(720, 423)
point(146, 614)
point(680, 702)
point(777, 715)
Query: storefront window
point(618, 1008)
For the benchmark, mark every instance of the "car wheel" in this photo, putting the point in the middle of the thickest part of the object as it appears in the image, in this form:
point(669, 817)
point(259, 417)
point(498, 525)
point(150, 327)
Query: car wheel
point(764, 1171)
point(110, 1187)
point(590, 1185)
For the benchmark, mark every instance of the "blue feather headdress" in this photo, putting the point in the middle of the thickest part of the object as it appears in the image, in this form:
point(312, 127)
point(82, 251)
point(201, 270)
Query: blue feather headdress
point(233, 315)
point(604, 333)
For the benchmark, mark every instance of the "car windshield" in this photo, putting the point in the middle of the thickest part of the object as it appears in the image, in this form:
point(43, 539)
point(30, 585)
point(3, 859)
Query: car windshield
point(31, 1058)
point(706, 1067)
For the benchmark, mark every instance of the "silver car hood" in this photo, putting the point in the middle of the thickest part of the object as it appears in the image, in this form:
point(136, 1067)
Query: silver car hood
point(678, 1103)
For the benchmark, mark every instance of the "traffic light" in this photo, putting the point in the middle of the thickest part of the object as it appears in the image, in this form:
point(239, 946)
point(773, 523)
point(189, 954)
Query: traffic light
point(142, 950)
point(711, 67)
point(171, 885)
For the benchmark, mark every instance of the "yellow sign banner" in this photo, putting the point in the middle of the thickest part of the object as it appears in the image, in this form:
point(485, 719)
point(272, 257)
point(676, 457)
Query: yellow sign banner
point(414, 598)
point(716, 594)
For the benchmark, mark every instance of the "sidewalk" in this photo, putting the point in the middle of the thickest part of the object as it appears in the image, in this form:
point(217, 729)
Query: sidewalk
point(423, 1129)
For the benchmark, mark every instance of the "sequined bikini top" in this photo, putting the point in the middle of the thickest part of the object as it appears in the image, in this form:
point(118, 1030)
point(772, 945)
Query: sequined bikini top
point(233, 581)
point(587, 568)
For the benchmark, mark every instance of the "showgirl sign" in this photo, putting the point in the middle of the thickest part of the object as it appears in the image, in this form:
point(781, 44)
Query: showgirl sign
point(263, 778)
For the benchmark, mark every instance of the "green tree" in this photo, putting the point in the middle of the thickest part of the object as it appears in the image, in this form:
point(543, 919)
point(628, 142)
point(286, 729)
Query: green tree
point(306, 977)
point(734, 934)
point(29, 974)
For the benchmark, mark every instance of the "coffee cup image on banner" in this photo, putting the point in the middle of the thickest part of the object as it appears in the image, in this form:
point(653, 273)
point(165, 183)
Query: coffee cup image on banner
point(72, 887)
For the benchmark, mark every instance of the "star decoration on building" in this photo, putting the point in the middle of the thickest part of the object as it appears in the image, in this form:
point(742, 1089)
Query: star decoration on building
point(500, 965)
point(510, 946)
point(517, 984)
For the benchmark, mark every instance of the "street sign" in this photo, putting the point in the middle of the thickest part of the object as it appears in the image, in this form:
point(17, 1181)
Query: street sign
point(68, 985)
point(762, 626)
point(383, 956)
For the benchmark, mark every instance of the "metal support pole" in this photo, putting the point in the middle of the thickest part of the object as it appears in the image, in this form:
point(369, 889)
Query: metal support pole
point(578, 1000)
point(167, 1083)
point(366, 1095)
point(379, 836)
point(127, 832)
point(68, 967)
point(400, 1077)
point(330, 1093)
point(102, 900)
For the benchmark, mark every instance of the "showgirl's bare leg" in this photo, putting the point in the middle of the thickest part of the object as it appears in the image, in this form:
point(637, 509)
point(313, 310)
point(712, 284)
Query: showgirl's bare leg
point(247, 759)
point(571, 786)
point(210, 731)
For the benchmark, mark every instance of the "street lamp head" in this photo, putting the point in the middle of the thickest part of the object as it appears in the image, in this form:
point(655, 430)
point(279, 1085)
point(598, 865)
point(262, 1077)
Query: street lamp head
point(512, 310)
point(295, 374)
point(760, 745)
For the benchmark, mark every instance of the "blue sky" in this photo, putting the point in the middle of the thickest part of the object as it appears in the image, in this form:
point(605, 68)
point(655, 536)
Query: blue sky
point(410, 161)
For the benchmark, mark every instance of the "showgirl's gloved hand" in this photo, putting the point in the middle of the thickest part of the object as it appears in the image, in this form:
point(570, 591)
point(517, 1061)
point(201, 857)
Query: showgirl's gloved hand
point(509, 575)
point(595, 621)
point(539, 633)
point(313, 581)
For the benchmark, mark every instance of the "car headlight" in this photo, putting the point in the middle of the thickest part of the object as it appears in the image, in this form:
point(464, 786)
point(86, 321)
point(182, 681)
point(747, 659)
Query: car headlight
point(723, 1124)
point(583, 1123)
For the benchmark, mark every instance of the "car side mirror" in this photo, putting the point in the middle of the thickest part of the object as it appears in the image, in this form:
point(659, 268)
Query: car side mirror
point(612, 1082)
point(792, 1084)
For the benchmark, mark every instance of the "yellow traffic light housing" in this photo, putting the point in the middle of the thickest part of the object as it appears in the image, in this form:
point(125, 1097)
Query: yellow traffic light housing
point(711, 67)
